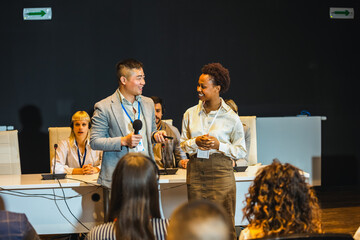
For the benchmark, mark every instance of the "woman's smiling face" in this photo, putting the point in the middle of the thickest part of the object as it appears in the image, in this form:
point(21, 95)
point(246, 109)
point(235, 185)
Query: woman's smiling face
point(206, 88)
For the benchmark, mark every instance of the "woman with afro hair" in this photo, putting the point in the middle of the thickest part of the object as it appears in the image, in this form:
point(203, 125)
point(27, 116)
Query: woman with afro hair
point(213, 135)
point(280, 202)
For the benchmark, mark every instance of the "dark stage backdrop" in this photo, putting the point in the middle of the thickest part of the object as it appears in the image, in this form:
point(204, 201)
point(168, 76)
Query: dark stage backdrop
point(283, 56)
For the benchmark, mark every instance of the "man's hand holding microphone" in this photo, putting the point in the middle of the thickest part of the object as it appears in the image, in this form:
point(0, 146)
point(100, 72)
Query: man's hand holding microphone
point(132, 140)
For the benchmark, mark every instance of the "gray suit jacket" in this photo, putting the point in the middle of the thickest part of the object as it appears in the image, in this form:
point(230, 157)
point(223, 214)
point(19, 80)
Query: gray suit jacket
point(108, 128)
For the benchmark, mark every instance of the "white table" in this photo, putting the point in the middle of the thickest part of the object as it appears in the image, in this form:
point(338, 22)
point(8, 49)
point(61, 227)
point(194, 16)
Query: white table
point(43, 213)
point(46, 218)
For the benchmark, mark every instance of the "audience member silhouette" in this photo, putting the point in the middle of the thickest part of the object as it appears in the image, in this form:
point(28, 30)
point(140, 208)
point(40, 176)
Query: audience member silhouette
point(199, 220)
point(134, 204)
point(280, 202)
point(16, 226)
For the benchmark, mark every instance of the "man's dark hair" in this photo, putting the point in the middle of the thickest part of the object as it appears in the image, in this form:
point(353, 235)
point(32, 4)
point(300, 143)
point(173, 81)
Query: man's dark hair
point(127, 64)
point(159, 100)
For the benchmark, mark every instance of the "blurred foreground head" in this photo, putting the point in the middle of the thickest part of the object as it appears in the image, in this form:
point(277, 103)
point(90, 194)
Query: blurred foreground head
point(281, 202)
point(199, 220)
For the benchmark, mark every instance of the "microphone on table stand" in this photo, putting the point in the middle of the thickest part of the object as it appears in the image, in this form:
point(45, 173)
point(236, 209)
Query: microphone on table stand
point(55, 148)
point(166, 170)
point(53, 176)
point(163, 157)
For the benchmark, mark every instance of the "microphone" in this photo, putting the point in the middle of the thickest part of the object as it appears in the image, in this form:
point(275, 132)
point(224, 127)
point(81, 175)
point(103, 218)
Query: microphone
point(137, 125)
point(168, 168)
point(53, 176)
point(55, 147)
point(163, 157)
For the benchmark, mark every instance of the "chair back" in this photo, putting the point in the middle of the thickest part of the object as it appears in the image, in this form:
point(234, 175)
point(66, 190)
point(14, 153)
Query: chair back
point(56, 135)
point(168, 121)
point(250, 122)
point(9, 153)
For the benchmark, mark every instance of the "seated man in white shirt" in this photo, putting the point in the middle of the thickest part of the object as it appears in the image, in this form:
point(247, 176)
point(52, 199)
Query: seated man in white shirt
point(168, 152)
point(74, 155)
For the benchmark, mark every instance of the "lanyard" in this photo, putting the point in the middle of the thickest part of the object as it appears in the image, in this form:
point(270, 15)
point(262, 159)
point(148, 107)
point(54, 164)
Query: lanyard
point(217, 112)
point(79, 158)
point(128, 113)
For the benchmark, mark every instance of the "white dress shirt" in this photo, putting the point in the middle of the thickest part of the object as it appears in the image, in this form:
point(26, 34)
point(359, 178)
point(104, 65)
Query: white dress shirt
point(226, 127)
point(67, 157)
point(133, 110)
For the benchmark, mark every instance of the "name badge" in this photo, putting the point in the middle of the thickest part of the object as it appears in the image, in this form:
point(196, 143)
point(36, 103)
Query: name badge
point(140, 147)
point(203, 154)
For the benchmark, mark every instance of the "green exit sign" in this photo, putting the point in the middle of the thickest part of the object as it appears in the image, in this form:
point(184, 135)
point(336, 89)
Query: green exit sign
point(37, 13)
point(342, 13)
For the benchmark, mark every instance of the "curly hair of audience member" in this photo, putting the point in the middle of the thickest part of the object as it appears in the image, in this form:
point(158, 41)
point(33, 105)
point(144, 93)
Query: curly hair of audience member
point(281, 202)
point(221, 76)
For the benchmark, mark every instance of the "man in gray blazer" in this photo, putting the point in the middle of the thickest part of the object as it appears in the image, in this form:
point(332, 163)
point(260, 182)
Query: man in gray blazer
point(112, 130)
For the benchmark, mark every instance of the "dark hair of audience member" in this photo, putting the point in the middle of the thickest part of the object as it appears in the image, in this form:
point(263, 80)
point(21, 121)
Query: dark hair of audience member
point(158, 100)
point(281, 202)
point(124, 66)
point(134, 197)
point(219, 74)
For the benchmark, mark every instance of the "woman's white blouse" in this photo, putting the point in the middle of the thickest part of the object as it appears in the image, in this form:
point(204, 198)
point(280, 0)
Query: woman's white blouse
point(227, 128)
point(67, 157)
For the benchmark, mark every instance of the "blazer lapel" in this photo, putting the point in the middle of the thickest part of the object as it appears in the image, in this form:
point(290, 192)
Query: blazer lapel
point(118, 112)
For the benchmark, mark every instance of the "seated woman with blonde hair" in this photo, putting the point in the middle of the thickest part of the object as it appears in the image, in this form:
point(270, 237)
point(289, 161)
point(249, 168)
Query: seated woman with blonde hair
point(280, 202)
point(74, 155)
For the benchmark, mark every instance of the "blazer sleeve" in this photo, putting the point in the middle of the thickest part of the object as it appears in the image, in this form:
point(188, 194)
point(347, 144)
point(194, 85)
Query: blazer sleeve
point(100, 138)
